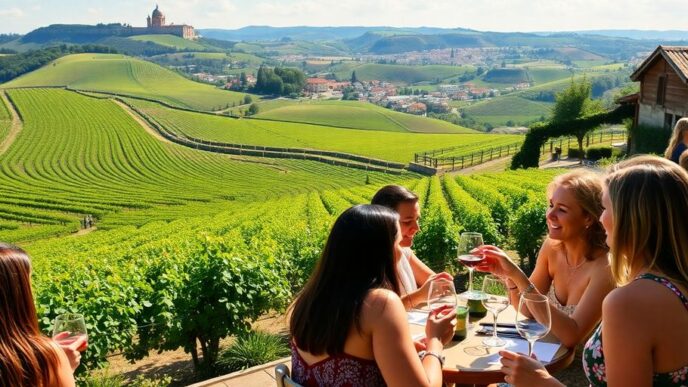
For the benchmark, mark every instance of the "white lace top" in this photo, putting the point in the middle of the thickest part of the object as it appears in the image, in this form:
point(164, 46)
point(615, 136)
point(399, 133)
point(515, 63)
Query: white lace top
point(407, 281)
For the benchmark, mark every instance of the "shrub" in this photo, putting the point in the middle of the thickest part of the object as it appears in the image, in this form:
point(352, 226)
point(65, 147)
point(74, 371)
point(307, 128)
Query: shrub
point(648, 139)
point(602, 152)
point(576, 153)
point(252, 349)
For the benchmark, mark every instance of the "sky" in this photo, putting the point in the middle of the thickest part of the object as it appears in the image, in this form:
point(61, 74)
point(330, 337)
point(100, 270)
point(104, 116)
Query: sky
point(22, 16)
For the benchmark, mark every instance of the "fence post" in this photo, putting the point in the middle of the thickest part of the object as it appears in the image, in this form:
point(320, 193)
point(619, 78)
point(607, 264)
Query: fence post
point(471, 158)
point(453, 162)
point(461, 162)
point(481, 156)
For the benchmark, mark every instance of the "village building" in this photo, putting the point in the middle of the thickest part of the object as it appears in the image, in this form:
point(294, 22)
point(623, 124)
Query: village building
point(663, 77)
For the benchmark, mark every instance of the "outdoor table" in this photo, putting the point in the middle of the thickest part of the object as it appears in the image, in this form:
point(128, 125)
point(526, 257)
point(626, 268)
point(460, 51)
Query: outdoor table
point(472, 362)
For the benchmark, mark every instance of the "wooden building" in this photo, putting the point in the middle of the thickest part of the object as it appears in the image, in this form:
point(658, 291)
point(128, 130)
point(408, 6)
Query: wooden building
point(663, 77)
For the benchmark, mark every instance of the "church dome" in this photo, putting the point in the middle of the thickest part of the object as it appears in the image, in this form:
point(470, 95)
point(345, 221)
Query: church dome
point(156, 12)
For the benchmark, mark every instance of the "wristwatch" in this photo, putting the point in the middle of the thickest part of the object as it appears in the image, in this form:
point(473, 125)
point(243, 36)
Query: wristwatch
point(423, 354)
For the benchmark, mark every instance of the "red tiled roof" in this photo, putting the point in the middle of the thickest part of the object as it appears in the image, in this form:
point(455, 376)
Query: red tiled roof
point(314, 81)
point(676, 56)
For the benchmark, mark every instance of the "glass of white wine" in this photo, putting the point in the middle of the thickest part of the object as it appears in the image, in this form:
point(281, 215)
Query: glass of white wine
point(69, 328)
point(533, 318)
point(441, 294)
point(495, 299)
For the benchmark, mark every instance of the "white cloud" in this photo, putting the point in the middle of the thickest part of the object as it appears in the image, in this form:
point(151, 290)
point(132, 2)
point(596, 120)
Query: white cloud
point(11, 12)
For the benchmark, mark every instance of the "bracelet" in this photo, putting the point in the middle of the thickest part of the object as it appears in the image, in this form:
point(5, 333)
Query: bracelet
point(529, 289)
point(514, 288)
point(423, 354)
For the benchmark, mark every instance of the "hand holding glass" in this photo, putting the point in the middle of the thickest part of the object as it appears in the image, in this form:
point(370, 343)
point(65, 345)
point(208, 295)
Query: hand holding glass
point(441, 294)
point(533, 318)
point(495, 299)
point(467, 243)
point(69, 328)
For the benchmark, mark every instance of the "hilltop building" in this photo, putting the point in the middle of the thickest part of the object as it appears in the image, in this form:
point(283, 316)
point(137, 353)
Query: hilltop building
point(663, 97)
point(155, 24)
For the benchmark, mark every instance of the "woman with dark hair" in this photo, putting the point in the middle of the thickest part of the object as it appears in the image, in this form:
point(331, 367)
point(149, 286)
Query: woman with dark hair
point(348, 325)
point(27, 358)
point(572, 267)
point(414, 275)
point(642, 338)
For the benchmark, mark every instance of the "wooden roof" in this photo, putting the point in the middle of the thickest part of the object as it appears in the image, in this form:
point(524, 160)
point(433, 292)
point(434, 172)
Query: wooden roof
point(676, 56)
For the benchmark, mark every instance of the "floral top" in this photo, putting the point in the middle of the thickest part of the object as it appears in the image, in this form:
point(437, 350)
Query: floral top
point(338, 371)
point(593, 357)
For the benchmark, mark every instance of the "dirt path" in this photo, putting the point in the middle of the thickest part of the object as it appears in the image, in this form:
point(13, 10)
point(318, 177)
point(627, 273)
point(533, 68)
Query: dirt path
point(142, 122)
point(496, 165)
point(16, 124)
point(85, 231)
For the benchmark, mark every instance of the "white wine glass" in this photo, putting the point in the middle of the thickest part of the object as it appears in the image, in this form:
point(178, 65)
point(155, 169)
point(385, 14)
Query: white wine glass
point(495, 299)
point(441, 293)
point(533, 318)
point(70, 327)
point(467, 243)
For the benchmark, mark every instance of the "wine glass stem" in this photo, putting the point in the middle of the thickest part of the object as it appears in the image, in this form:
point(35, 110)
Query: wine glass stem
point(531, 344)
point(470, 280)
point(494, 326)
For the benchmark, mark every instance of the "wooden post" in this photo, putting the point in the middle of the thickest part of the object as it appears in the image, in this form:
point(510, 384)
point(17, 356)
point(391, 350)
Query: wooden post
point(461, 162)
point(453, 162)
point(481, 156)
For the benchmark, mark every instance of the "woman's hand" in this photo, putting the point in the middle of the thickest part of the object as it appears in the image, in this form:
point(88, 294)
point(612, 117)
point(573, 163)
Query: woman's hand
point(496, 261)
point(521, 370)
point(425, 288)
point(71, 349)
point(441, 323)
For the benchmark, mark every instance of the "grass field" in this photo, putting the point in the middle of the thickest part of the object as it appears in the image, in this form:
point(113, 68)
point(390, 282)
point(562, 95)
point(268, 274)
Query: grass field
point(391, 146)
point(498, 111)
point(5, 121)
point(81, 155)
point(127, 75)
point(401, 74)
point(358, 115)
point(170, 41)
point(234, 56)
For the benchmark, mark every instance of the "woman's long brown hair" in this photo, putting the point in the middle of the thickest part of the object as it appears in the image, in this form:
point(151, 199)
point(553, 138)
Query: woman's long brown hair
point(27, 358)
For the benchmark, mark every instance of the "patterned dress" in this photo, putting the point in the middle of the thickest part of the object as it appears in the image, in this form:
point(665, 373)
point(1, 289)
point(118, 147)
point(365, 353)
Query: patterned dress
point(593, 357)
point(341, 370)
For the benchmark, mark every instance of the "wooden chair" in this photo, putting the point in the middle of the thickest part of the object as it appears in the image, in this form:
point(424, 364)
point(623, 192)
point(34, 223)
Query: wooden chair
point(282, 377)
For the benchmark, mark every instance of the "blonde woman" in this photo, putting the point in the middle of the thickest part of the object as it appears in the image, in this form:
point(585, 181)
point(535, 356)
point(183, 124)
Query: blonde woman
point(642, 339)
point(679, 141)
point(683, 160)
point(572, 266)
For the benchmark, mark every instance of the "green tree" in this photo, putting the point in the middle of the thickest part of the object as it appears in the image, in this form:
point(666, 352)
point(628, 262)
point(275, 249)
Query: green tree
point(354, 79)
point(573, 103)
point(253, 109)
point(247, 99)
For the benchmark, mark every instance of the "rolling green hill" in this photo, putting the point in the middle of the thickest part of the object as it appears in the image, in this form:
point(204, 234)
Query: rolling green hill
point(169, 41)
point(392, 146)
point(507, 75)
point(358, 115)
point(401, 73)
point(498, 111)
point(126, 75)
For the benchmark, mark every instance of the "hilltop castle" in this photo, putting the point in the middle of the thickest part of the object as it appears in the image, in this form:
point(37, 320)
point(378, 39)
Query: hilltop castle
point(155, 24)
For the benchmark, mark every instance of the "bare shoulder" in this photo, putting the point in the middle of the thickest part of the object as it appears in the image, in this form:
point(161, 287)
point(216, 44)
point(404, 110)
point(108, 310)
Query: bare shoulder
point(381, 301)
point(636, 297)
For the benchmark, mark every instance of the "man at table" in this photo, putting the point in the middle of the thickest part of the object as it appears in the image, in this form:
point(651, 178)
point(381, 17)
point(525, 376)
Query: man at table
point(414, 275)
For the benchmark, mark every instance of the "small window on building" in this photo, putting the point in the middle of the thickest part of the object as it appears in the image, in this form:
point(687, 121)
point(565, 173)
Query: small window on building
point(661, 89)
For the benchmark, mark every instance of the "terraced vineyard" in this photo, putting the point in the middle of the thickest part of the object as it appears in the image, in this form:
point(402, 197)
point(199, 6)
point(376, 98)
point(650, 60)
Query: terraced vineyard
point(5, 121)
point(127, 75)
point(390, 146)
point(137, 286)
point(356, 115)
point(78, 155)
